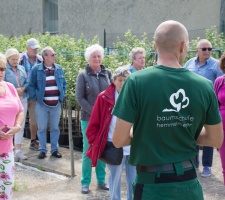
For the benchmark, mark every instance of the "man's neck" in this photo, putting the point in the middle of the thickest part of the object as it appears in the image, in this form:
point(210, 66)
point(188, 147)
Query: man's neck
point(169, 63)
point(48, 64)
point(201, 61)
point(32, 59)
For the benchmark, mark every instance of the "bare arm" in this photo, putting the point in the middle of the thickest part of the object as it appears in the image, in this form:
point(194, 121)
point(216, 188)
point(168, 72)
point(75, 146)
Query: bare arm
point(12, 130)
point(211, 135)
point(121, 135)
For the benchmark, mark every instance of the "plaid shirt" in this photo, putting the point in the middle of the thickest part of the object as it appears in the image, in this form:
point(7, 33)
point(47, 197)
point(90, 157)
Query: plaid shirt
point(24, 61)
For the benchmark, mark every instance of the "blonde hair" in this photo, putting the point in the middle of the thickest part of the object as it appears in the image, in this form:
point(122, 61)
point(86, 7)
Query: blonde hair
point(135, 51)
point(2, 60)
point(11, 52)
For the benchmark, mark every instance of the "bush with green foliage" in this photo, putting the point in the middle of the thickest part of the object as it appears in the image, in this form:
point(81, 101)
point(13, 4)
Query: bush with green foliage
point(70, 51)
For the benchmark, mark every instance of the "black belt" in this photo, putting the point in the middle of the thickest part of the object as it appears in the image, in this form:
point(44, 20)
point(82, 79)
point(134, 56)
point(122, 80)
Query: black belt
point(172, 177)
point(167, 167)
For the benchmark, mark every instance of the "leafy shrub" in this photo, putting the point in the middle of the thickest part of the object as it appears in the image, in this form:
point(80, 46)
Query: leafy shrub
point(70, 52)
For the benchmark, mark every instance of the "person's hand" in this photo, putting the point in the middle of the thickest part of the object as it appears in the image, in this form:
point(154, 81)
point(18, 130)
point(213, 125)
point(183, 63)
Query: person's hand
point(7, 132)
point(20, 91)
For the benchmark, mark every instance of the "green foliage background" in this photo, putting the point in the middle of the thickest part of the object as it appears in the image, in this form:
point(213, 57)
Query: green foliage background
point(70, 51)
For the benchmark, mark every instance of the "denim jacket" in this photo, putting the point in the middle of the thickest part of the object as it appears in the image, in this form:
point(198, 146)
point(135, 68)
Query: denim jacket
point(10, 76)
point(36, 87)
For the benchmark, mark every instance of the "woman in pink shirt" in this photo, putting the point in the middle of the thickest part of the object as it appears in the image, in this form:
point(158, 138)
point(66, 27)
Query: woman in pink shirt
point(11, 118)
point(219, 88)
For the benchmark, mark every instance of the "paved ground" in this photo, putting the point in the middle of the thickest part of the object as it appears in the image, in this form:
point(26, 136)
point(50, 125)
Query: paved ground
point(36, 183)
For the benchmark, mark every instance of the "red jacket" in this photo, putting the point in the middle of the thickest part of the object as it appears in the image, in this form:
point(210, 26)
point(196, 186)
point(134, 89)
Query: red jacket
point(98, 125)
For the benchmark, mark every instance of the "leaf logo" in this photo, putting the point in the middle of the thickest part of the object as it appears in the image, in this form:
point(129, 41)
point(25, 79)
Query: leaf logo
point(174, 100)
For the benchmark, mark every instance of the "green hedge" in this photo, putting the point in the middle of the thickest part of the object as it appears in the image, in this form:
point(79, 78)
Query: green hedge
point(70, 51)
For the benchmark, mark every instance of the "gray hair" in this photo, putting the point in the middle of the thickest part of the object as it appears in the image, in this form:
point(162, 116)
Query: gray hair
point(203, 41)
point(135, 51)
point(44, 51)
point(121, 71)
point(93, 48)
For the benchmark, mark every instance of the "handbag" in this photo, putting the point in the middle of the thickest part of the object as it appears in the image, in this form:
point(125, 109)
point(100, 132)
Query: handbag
point(112, 155)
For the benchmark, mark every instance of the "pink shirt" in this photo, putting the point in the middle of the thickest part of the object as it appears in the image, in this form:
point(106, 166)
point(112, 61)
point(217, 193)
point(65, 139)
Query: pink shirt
point(10, 105)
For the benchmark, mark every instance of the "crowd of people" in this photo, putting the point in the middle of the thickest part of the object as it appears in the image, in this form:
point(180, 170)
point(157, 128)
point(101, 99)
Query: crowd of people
point(159, 130)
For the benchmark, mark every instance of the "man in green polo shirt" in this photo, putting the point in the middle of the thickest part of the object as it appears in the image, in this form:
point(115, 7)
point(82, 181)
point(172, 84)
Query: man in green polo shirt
point(171, 109)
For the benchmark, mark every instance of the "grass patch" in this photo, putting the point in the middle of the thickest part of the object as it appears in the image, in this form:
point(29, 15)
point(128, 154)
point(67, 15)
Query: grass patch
point(20, 186)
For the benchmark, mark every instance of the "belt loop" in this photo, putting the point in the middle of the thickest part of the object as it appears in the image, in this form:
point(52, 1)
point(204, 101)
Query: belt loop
point(159, 171)
point(179, 168)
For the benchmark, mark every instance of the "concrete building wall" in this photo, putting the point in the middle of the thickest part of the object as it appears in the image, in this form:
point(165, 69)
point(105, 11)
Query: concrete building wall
point(20, 17)
point(91, 17)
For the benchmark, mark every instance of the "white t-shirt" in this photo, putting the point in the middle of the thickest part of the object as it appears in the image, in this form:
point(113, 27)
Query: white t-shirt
point(126, 149)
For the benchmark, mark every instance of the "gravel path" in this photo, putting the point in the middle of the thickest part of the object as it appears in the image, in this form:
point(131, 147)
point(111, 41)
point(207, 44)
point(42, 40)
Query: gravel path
point(33, 184)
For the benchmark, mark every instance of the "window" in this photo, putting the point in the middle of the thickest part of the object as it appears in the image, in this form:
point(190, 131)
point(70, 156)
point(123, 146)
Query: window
point(51, 16)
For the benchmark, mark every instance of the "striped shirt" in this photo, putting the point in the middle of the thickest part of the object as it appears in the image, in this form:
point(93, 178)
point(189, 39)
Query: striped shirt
point(51, 95)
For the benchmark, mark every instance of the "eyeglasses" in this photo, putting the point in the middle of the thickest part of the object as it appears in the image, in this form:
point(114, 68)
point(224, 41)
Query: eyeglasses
point(2, 69)
point(204, 49)
point(54, 54)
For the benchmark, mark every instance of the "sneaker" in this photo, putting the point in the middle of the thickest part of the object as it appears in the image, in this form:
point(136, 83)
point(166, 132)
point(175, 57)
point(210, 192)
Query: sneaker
point(19, 156)
point(103, 186)
point(206, 172)
point(34, 145)
point(85, 189)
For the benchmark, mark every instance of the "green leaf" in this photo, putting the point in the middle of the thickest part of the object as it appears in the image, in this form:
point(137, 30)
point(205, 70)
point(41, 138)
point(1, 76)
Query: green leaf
point(7, 161)
point(2, 167)
point(7, 183)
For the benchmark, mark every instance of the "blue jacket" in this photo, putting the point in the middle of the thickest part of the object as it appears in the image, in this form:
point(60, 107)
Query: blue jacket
point(10, 76)
point(37, 82)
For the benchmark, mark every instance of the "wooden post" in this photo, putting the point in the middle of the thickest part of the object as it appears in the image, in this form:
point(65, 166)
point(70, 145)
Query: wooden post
point(69, 110)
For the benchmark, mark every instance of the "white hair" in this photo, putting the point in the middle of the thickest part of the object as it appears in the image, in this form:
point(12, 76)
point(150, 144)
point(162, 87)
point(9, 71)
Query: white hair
point(93, 48)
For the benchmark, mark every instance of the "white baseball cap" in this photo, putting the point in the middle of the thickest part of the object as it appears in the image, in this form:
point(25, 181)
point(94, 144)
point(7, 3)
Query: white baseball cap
point(32, 43)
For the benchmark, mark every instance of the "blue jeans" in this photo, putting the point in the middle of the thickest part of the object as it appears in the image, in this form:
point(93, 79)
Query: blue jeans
point(115, 179)
point(207, 156)
point(43, 114)
point(86, 162)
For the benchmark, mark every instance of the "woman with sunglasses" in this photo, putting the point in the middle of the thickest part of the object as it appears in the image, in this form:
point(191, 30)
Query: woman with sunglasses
point(100, 129)
point(219, 88)
point(16, 75)
point(11, 119)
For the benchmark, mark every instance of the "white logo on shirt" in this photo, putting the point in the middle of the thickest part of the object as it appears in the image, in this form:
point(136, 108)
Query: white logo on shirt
point(178, 105)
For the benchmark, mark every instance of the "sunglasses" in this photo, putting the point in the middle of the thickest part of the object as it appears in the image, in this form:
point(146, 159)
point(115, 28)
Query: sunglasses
point(2, 69)
point(204, 49)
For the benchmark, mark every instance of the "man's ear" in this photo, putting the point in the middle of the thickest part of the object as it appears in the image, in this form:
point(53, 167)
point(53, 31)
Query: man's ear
point(182, 45)
point(155, 47)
